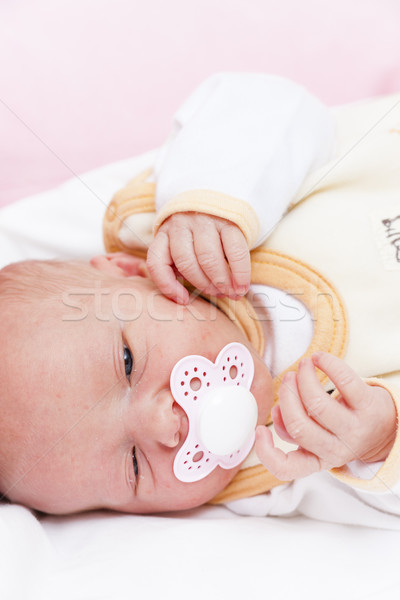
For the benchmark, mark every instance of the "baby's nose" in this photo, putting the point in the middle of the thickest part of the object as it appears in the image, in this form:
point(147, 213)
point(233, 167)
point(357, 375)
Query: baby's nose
point(166, 422)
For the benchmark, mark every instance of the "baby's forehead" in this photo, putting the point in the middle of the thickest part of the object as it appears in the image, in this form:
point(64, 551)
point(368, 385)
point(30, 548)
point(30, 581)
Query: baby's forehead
point(48, 354)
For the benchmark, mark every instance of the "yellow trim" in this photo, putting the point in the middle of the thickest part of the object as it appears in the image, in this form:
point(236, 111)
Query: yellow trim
point(217, 204)
point(388, 474)
point(136, 197)
point(246, 483)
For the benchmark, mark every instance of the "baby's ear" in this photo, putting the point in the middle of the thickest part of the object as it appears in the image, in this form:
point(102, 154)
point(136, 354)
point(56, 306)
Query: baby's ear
point(120, 264)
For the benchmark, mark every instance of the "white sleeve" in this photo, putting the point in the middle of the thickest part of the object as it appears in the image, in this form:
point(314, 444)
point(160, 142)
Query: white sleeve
point(251, 137)
point(322, 497)
point(387, 500)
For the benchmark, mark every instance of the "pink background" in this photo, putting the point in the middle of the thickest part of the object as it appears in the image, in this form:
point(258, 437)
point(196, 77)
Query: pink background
point(87, 82)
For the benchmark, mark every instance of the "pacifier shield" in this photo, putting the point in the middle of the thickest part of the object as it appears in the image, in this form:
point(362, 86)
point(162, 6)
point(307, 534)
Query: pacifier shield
point(221, 410)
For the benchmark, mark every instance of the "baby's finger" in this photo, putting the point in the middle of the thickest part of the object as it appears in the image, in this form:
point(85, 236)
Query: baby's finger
point(185, 260)
point(160, 266)
point(238, 256)
point(300, 427)
point(319, 405)
point(210, 255)
point(295, 464)
point(279, 425)
point(349, 384)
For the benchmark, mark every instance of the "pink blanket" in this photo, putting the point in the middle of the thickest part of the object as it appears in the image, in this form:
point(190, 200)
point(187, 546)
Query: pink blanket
point(84, 83)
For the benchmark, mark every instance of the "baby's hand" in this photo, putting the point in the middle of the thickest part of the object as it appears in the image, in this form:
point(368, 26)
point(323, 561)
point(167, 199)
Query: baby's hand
point(329, 432)
point(209, 252)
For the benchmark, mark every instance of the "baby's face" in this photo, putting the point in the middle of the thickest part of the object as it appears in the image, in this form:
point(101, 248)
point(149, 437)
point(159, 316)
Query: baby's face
point(90, 417)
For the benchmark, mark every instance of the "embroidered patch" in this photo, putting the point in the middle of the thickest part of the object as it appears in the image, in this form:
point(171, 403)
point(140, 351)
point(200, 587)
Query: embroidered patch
point(387, 235)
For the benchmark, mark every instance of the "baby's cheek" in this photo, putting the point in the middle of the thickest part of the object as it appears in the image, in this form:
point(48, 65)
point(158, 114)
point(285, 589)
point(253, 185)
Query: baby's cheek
point(262, 390)
point(190, 495)
point(224, 479)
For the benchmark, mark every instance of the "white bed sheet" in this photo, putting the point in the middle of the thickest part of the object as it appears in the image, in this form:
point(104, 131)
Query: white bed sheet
point(205, 553)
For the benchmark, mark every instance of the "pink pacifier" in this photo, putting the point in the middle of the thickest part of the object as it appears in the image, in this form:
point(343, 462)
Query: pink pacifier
point(221, 410)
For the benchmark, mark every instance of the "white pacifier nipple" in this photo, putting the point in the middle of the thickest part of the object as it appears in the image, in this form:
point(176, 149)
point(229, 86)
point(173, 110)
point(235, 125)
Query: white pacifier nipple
point(222, 411)
point(227, 419)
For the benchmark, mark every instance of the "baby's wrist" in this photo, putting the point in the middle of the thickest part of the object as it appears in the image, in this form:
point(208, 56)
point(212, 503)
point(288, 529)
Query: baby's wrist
point(387, 428)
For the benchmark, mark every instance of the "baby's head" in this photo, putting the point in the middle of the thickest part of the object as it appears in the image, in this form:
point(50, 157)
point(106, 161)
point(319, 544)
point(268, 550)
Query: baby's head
point(87, 417)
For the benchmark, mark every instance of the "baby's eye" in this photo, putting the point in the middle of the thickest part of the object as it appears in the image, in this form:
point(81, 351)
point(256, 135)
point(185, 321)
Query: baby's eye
point(128, 360)
point(135, 463)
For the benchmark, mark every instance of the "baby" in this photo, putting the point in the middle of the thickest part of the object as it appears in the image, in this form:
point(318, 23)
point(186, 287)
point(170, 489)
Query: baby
point(88, 420)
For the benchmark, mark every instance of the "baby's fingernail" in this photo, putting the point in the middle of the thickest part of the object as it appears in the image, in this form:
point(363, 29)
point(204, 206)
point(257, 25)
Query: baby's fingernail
point(183, 298)
point(241, 290)
point(287, 376)
point(274, 412)
point(316, 356)
point(260, 432)
point(304, 363)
